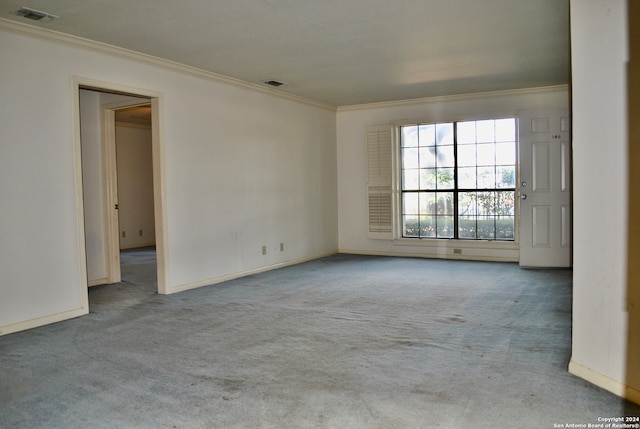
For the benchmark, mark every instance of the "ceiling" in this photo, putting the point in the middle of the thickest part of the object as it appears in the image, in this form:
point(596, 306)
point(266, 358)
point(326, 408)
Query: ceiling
point(340, 52)
point(139, 115)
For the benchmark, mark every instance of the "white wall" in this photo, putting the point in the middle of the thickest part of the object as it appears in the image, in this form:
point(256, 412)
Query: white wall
point(135, 185)
point(352, 174)
point(599, 53)
point(243, 168)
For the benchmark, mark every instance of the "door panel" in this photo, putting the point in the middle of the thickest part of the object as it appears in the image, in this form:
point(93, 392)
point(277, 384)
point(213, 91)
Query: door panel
point(541, 167)
point(545, 188)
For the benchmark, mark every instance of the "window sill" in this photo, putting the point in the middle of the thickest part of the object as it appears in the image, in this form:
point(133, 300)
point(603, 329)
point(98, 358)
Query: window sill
point(488, 250)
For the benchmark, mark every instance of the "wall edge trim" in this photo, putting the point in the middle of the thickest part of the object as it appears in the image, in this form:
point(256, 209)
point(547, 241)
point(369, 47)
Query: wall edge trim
point(430, 255)
point(457, 97)
point(604, 382)
point(42, 321)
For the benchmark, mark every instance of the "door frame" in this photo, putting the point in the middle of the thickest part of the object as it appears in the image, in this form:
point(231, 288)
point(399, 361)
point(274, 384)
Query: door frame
point(154, 98)
point(112, 229)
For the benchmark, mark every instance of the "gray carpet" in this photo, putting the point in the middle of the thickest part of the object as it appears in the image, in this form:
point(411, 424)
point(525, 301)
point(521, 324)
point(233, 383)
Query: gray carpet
point(340, 342)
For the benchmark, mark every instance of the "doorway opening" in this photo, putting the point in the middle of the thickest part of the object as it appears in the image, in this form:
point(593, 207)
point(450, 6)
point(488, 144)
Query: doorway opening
point(122, 181)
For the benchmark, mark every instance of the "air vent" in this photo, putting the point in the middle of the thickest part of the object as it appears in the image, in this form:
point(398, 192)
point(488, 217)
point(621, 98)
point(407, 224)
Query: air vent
point(35, 15)
point(274, 83)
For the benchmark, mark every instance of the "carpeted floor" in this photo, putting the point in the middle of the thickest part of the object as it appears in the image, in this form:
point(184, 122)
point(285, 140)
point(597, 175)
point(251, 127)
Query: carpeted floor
point(340, 342)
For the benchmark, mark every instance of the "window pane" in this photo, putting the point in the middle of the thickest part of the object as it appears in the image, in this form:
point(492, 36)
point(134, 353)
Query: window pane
point(410, 179)
point(445, 156)
point(410, 158)
point(410, 203)
point(505, 130)
point(444, 134)
point(428, 226)
point(467, 177)
point(467, 227)
point(466, 155)
point(486, 228)
point(486, 154)
point(467, 203)
point(428, 178)
point(445, 226)
point(410, 226)
point(505, 203)
point(445, 178)
point(486, 203)
point(485, 131)
point(445, 203)
point(427, 201)
point(506, 153)
point(466, 132)
point(427, 157)
point(505, 228)
point(505, 177)
point(427, 135)
point(486, 177)
point(409, 136)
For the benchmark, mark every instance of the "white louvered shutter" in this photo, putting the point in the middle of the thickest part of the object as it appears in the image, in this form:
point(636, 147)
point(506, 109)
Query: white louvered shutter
point(379, 182)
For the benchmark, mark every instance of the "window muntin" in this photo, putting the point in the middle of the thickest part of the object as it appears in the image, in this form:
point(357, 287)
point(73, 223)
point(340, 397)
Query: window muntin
point(458, 179)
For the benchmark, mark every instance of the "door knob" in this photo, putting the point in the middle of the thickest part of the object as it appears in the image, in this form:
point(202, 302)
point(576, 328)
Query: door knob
point(523, 196)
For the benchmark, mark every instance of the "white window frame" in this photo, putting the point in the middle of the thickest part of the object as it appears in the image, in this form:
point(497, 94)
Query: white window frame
point(497, 250)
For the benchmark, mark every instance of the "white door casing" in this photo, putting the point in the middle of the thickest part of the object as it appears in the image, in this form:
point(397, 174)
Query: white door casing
point(111, 202)
point(545, 188)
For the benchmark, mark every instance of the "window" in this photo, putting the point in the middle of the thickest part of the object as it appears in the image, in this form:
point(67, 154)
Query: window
point(458, 180)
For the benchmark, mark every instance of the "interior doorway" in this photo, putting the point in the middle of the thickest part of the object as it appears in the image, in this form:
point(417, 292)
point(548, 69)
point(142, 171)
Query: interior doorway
point(128, 168)
point(120, 156)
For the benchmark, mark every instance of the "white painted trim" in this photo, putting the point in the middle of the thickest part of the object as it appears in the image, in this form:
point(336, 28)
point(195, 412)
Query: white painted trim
point(97, 282)
point(137, 245)
point(110, 178)
point(47, 320)
point(457, 97)
point(601, 380)
point(83, 291)
point(110, 185)
point(457, 243)
point(159, 192)
point(442, 253)
point(133, 125)
point(227, 277)
point(80, 42)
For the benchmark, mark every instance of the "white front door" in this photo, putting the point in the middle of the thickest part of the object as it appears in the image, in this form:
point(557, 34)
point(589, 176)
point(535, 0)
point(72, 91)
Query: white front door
point(545, 188)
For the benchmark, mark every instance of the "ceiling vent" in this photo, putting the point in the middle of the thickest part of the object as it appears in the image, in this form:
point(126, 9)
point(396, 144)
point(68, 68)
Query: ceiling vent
point(274, 83)
point(35, 15)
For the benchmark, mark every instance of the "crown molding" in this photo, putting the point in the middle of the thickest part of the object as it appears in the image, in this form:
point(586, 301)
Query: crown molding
point(80, 42)
point(457, 97)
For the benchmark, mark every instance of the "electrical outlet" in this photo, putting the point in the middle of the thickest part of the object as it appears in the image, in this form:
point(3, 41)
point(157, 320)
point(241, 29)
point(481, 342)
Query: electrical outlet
point(282, 247)
point(140, 232)
point(264, 250)
point(124, 234)
point(457, 251)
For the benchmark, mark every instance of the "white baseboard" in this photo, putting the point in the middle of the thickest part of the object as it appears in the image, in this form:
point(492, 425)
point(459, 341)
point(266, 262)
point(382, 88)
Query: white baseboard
point(41, 321)
point(96, 282)
point(491, 258)
point(616, 387)
point(227, 277)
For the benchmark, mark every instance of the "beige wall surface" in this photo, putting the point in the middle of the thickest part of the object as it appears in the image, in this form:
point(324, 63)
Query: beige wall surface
point(135, 186)
point(242, 169)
